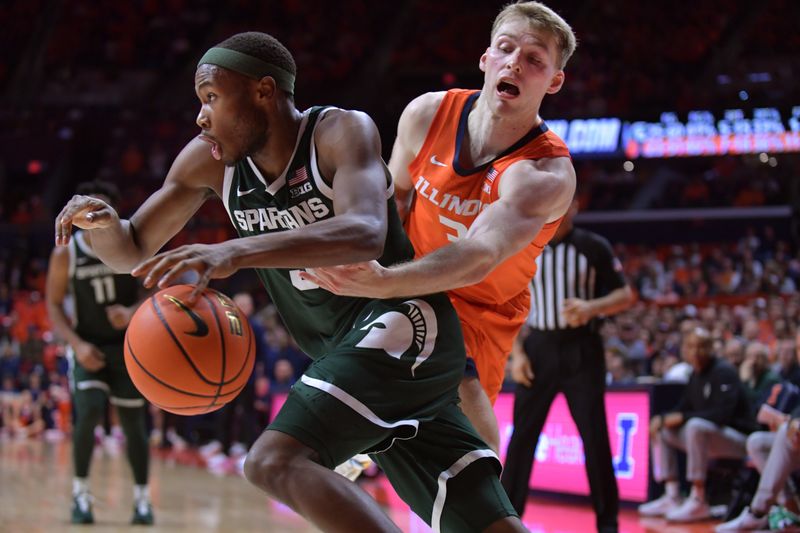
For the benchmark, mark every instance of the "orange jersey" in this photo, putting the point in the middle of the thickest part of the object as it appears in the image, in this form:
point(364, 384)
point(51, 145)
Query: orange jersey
point(448, 199)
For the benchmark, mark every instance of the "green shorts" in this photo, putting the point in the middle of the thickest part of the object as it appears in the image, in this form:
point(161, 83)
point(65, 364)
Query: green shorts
point(113, 379)
point(390, 388)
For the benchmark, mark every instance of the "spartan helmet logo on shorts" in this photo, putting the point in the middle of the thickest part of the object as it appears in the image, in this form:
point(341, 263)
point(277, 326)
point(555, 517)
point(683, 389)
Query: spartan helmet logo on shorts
point(400, 333)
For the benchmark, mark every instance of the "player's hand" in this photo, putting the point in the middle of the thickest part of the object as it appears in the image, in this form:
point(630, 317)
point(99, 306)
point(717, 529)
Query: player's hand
point(359, 279)
point(577, 312)
point(211, 261)
point(119, 315)
point(86, 212)
point(746, 370)
point(522, 371)
point(656, 423)
point(793, 433)
point(775, 424)
point(89, 356)
point(673, 420)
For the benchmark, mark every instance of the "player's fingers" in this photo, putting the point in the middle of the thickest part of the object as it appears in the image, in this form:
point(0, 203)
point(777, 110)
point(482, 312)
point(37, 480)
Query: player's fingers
point(148, 266)
point(318, 279)
point(328, 273)
point(63, 225)
point(144, 267)
point(99, 217)
point(95, 361)
point(176, 269)
point(152, 269)
point(156, 267)
point(523, 380)
point(82, 211)
point(202, 283)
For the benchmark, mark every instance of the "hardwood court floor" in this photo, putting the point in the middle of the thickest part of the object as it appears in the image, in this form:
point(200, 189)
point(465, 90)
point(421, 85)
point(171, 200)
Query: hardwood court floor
point(35, 485)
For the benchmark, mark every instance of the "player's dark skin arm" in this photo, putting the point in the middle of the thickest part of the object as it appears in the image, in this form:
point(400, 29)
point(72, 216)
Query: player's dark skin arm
point(87, 354)
point(349, 150)
point(122, 244)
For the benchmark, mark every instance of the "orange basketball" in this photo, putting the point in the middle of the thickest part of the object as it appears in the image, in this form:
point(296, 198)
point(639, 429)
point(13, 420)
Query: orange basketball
point(189, 360)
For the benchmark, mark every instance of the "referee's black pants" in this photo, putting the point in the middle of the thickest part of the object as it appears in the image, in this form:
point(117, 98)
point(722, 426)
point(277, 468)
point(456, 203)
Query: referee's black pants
point(571, 362)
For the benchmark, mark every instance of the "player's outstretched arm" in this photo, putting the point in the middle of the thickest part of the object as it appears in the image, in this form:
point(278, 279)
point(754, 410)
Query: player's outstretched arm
point(87, 354)
point(532, 193)
point(122, 244)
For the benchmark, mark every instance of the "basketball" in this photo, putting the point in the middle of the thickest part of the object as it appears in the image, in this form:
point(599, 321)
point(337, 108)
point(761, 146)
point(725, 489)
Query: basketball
point(189, 360)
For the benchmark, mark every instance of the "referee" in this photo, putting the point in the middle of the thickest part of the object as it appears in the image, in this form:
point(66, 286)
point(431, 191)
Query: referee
point(577, 279)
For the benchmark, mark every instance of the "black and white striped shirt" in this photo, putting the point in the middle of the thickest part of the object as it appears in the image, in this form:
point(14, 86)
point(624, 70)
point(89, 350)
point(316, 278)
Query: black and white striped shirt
point(582, 265)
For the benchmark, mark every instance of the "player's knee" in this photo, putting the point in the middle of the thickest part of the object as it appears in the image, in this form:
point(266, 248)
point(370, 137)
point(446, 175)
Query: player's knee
point(90, 406)
point(254, 466)
point(267, 468)
point(698, 428)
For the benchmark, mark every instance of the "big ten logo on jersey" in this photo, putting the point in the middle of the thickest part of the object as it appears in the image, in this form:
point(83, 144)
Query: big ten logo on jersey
point(298, 184)
point(302, 189)
point(272, 218)
point(626, 425)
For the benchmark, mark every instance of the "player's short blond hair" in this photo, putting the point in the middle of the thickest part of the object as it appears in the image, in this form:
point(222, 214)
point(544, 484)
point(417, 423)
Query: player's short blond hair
point(541, 17)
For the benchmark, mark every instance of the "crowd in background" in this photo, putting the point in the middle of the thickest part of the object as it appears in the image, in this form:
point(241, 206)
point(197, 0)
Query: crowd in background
point(744, 292)
point(117, 103)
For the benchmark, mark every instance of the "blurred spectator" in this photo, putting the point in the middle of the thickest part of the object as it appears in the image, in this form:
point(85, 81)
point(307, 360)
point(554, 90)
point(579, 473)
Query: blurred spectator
point(711, 420)
point(285, 362)
point(756, 374)
point(776, 455)
point(618, 369)
point(734, 351)
point(629, 344)
point(786, 364)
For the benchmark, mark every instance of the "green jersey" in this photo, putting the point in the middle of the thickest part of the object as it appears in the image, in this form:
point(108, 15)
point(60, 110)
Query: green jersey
point(316, 318)
point(94, 286)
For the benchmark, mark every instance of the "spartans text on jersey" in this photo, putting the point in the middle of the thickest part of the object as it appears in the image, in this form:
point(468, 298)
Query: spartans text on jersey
point(272, 218)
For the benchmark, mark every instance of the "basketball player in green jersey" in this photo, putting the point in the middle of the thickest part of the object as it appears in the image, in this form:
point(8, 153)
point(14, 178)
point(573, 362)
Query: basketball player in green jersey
point(103, 304)
point(308, 189)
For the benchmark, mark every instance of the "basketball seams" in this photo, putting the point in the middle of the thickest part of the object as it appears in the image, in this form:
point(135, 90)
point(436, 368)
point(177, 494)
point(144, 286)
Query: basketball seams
point(171, 386)
point(250, 349)
point(186, 356)
point(221, 382)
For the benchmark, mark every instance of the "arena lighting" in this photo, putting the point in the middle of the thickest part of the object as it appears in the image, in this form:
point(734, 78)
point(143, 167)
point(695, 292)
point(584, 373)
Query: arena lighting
point(700, 133)
point(703, 133)
point(34, 166)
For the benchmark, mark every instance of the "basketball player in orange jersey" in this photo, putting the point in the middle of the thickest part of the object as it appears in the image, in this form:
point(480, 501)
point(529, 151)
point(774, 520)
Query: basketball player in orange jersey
point(483, 185)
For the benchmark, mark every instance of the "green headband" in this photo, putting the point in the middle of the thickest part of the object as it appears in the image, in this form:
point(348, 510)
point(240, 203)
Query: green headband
point(249, 66)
